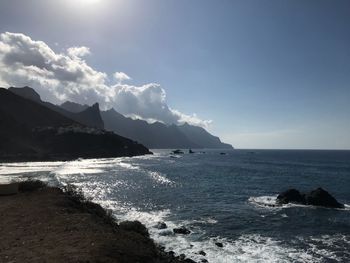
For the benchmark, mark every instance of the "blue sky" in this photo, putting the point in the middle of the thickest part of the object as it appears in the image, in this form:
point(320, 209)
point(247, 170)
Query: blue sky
point(269, 74)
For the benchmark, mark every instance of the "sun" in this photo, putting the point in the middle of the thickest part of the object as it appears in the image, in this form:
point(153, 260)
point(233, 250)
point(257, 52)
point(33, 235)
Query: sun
point(91, 1)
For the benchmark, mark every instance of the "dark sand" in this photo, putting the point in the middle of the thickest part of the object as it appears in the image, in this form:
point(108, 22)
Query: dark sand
point(45, 225)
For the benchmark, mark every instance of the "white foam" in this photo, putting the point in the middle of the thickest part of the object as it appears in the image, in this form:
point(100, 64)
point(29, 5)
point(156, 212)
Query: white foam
point(264, 201)
point(347, 207)
point(30, 167)
point(246, 248)
point(128, 166)
point(270, 202)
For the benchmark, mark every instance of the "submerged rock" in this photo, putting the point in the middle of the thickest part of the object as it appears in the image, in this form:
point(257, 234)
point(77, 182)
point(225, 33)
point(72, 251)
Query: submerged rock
point(202, 253)
point(321, 197)
point(181, 230)
point(317, 197)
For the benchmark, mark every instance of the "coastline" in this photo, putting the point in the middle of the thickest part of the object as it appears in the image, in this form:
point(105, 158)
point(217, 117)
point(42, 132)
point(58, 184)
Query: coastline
point(63, 158)
point(47, 224)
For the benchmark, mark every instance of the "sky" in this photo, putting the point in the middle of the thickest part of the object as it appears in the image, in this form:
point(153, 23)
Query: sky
point(270, 74)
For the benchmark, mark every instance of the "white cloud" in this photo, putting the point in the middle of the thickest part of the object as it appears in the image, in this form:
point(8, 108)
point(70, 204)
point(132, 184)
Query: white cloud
point(66, 76)
point(121, 76)
point(78, 52)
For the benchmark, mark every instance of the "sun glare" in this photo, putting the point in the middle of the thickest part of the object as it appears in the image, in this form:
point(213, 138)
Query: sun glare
point(90, 1)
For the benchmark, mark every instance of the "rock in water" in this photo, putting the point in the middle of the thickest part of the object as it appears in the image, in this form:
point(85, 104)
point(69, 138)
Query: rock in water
point(318, 197)
point(161, 225)
point(182, 230)
point(290, 196)
point(321, 197)
point(219, 244)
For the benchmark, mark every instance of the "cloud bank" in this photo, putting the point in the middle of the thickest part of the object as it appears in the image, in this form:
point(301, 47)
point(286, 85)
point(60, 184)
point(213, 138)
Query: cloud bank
point(67, 76)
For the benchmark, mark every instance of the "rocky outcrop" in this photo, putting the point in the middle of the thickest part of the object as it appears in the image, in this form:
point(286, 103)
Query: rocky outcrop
point(320, 197)
point(161, 225)
point(317, 197)
point(290, 196)
point(182, 230)
point(134, 226)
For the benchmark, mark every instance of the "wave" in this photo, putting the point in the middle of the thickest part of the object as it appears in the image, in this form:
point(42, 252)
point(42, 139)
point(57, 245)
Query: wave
point(270, 202)
point(30, 167)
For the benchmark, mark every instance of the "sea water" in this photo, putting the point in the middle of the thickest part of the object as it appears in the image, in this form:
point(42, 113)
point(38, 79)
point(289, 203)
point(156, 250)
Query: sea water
point(227, 198)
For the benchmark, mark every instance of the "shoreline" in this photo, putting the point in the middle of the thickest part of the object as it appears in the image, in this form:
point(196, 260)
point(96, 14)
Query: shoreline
point(47, 224)
point(17, 159)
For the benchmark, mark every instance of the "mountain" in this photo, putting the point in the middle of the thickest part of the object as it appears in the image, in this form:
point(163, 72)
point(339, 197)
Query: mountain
point(73, 107)
point(159, 135)
point(152, 135)
point(155, 135)
point(89, 116)
point(31, 131)
point(201, 137)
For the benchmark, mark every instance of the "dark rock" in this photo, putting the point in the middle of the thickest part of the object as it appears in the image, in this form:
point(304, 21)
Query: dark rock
point(161, 225)
point(188, 260)
point(223, 153)
point(202, 253)
point(181, 230)
point(290, 196)
point(204, 260)
point(317, 197)
point(167, 232)
point(190, 151)
point(320, 197)
point(182, 256)
point(219, 244)
point(134, 226)
point(178, 152)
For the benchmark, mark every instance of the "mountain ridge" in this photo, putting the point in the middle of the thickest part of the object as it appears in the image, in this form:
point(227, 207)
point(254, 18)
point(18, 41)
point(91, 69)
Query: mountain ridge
point(90, 115)
point(30, 131)
point(158, 135)
point(152, 135)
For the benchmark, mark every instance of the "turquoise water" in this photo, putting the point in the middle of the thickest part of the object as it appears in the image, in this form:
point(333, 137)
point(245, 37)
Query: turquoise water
point(220, 198)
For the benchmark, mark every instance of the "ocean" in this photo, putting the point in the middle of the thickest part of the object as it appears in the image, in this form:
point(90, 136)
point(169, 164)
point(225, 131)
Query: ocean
point(219, 197)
